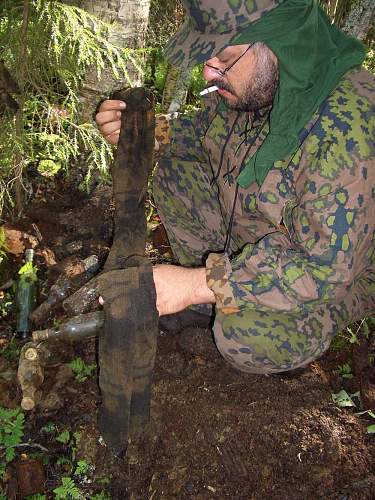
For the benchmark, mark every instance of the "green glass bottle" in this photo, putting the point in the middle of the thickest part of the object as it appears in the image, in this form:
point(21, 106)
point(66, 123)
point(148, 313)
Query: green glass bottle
point(77, 328)
point(26, 295)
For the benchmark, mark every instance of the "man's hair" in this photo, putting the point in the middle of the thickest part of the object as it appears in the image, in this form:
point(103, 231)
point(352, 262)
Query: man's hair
point(266, 79)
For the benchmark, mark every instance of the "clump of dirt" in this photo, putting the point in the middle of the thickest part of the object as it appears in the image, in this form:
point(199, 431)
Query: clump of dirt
point(215, 432)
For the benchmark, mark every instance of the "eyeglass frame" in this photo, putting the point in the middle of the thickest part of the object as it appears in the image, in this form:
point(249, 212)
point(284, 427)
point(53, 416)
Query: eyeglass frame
point(223, 72)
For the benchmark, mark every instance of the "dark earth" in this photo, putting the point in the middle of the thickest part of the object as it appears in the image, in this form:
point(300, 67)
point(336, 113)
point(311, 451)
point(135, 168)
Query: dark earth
point(215, 433)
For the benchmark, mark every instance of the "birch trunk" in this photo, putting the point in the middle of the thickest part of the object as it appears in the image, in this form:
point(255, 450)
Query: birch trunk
point(360, 19)
point(129, 20)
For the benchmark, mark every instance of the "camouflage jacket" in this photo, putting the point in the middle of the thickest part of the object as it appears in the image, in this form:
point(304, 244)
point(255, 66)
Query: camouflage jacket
point(306, 236)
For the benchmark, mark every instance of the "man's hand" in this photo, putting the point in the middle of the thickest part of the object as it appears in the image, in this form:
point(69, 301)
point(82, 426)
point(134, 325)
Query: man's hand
point(108, 119)
point(180, 287)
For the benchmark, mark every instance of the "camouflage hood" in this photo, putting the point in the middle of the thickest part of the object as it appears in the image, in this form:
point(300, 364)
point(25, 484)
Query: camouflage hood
point(313, 55)
point(211, 25)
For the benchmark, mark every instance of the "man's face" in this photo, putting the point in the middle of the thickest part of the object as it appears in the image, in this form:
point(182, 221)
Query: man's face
point(251, 83)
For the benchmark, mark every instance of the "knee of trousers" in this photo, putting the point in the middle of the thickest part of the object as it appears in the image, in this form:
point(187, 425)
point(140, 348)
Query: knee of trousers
point(270, 342)
point(159, 184)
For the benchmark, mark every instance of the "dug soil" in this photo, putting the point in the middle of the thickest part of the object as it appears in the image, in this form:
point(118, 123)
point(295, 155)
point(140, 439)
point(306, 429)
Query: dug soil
point(215, 433)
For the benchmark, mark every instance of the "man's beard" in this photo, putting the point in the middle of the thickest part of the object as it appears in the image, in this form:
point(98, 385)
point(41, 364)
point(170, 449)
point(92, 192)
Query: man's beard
point(259, 91)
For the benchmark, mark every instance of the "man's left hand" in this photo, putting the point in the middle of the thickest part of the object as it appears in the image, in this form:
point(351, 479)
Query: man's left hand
point(180, 287)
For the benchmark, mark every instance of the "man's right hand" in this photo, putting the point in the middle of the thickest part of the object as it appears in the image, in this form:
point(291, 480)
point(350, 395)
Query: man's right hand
point(108, 119)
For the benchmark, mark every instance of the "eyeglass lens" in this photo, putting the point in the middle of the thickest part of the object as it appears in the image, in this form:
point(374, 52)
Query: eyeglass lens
point(223, 72)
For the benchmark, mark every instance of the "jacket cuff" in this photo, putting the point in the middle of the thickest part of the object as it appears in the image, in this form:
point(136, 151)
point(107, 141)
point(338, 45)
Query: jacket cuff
point(218, 270)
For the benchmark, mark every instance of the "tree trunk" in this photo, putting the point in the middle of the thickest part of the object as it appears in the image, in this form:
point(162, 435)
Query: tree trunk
point(360, 19)
point(129, 20)
point(19, 116)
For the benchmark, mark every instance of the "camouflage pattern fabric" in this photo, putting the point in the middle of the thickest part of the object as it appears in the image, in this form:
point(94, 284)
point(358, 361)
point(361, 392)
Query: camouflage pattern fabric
point(210, 26)
point(302, 261)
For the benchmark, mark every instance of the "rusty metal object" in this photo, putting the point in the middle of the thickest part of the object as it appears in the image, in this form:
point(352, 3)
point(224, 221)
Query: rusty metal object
point(30, 477)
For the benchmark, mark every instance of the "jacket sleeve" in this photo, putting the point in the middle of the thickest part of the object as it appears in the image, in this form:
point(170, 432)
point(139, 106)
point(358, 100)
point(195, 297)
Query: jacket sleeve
point(326, 243)
point(325, 252)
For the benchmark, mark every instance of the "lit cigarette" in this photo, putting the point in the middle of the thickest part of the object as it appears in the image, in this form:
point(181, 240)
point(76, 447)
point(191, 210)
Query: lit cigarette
point(208, 90)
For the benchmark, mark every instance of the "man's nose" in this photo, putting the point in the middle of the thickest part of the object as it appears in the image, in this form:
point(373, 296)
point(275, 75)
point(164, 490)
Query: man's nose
point(209, 73)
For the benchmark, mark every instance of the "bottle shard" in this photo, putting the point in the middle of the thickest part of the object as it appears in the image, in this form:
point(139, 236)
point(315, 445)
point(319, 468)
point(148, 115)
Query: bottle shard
point(26, 295)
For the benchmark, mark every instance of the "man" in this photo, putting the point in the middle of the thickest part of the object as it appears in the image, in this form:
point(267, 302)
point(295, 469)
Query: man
point(267, 192)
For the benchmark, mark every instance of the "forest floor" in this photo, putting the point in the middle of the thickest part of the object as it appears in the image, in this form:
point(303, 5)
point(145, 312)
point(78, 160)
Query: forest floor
point(215, 433)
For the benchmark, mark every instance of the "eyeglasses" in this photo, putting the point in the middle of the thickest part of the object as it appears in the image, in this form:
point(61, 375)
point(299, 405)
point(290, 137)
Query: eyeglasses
point(223, 72)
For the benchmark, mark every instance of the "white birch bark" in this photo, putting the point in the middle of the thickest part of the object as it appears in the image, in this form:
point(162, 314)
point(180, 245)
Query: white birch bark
point(129, 20)
point(360, 19)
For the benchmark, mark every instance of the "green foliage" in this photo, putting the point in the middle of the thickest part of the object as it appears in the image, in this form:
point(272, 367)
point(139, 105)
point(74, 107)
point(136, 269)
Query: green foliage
point(198, 83)
point(68, 490)
point(343, 400)
point(345, 370)
point(11, 430)
point(38, 496)
point(63, 43)
point(353, 333)
point(100, 496)
point(371, 414)
point(64, 461)
point(11, 351)
point(81, 369)
point(28, 272)
point(64, 437)
point(83, 468)
point(3, 247)
point(49, 428)
point(6, 304)
point(369, 62)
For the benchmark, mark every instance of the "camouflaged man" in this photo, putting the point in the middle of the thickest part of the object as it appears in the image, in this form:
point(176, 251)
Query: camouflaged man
point(267, 192)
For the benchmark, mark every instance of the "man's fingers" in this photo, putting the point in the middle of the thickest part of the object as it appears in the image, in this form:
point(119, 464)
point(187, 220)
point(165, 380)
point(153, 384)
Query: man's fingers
point(104, 117)
point(108, 120)
point(112, 105)
point(110, 128)
point(113, 138)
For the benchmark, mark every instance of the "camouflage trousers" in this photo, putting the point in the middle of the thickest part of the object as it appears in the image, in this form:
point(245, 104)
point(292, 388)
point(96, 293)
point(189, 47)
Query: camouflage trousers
point(254, 340)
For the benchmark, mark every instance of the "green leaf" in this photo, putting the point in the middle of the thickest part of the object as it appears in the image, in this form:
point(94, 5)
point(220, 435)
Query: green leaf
point(370, 413)
point(11, 430)
point(28, 272)
point(63, 461)
point(68, 490)
point(48, 168)
point(371, 429)
point(49, 428)
point(64, 437)
point(342, 399)
point(81, 369)
point(83, 468)
point(100, 496)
